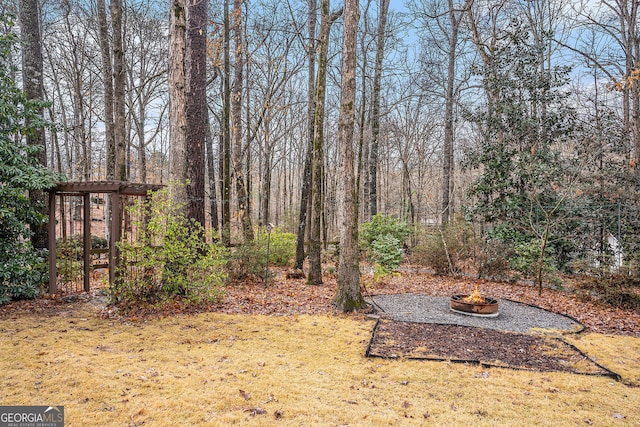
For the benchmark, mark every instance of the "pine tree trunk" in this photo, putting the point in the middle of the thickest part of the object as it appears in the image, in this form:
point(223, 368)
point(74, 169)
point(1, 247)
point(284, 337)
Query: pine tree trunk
point(375, 113)
point(455, 19)
point(196, 108)
point(362, 160)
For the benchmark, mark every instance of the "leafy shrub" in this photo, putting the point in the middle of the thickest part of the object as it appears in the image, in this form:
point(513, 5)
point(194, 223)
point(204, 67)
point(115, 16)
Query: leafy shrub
point(169, 259)
point(386, 251)
point(22, 273)
point(74, 246)
point(527, 257)
point(381, 225)
point(383, 239)
point(250, 258)
point(23, 269)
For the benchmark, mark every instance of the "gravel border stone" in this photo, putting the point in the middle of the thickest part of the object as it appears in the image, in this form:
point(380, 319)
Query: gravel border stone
point(513, 316)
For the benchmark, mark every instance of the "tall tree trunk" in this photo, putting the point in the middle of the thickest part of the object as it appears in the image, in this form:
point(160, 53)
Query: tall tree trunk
point(196, 107)
point(119, 90)
point(375, 113)
point(266, 174)
point(142, 145)
point(315, 267)
point(177, 97)
point(107, 71)
point(32, 78)
point(447, 152)
point(236, 116)
point(311, 107)
point(362, 160)
point(225, 158)
point(211, 169)
point(348, 296)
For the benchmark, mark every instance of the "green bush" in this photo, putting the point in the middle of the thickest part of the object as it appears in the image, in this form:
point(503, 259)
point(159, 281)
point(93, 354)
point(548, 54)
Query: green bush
point(381, 225)
point(386, 251)
point(169, 259)
point(383, 238)
point(250, 258)
point(74, 246)
point(23, 269)
point(23, 273)
point(526, 260)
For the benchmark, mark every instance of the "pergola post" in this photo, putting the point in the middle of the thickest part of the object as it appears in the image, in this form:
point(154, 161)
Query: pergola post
point(86, 234)
point(115, 236)
point(53, 273)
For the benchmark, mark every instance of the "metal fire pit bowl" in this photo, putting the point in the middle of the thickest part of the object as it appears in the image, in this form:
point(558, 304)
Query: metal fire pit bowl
point(489, 308)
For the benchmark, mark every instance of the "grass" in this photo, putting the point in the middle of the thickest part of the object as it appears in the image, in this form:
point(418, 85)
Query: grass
point(217, 369)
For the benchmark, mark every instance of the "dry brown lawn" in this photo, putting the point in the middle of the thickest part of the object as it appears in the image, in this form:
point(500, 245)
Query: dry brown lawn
point(220, 369)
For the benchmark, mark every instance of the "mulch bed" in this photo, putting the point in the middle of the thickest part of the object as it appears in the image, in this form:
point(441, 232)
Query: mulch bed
point(425, 341)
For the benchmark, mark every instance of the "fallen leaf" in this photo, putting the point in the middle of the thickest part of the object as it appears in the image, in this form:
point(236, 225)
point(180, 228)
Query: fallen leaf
point(256, 411)
point(483, 374)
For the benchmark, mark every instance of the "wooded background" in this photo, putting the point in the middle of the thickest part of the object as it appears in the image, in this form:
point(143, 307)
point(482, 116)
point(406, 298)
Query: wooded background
point(524, 113)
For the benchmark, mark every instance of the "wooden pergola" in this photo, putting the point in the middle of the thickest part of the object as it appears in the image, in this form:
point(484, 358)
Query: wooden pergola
point(117, 189)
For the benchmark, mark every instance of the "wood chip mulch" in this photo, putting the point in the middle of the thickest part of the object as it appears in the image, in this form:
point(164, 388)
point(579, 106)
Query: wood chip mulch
point(486, 347)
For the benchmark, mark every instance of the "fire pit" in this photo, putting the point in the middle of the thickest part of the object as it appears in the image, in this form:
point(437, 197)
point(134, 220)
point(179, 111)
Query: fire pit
point(474, 304)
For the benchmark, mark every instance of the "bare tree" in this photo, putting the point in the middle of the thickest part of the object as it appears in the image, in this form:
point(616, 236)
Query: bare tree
point(147, 64)
point(236, 117)
point(225, 141)
point(326, 21)
point(348, 296)
point(119, 85)
point(375, 114)
point(107, 79)
point(311, 107)
point(177, 95)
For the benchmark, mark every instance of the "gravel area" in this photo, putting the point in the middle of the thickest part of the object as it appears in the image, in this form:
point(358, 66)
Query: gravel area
point(513, 316)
